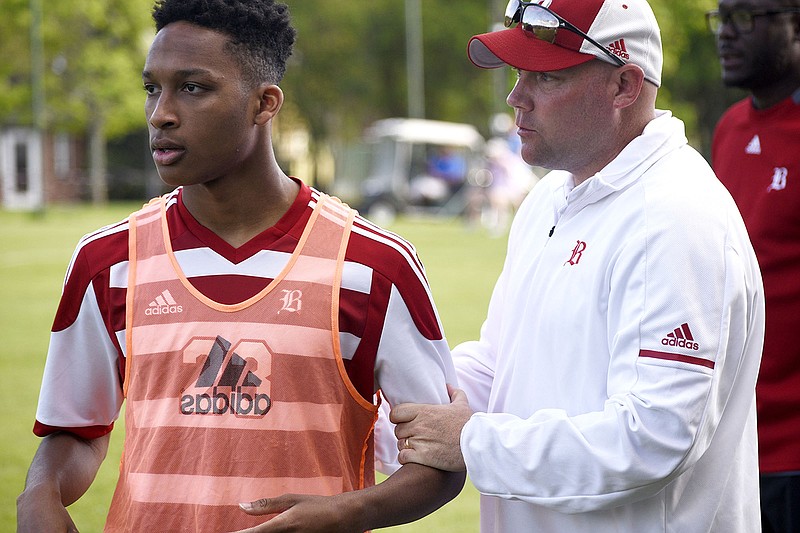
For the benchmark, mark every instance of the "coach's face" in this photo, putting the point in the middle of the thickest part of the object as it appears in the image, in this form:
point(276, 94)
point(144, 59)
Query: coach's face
point(200, 111)
point(565, 118)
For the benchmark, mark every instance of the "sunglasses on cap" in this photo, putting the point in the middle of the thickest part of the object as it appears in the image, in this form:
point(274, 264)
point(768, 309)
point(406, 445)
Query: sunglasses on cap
point(544, 24)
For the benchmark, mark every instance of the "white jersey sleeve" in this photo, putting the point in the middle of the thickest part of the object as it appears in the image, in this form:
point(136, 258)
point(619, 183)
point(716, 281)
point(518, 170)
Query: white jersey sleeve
point(81, 388)
point(409, 368)
point(412, 359)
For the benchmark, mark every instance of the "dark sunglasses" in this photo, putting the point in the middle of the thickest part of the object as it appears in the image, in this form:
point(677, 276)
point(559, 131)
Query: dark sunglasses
point(544, 24)
point(743, 20)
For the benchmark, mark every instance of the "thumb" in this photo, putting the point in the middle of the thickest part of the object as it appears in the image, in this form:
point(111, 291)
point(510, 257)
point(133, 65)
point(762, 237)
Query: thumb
point(457, 395)
point(266, 505)
point(405, 412)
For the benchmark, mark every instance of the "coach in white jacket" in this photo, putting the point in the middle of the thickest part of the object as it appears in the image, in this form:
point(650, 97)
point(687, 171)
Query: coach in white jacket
point(613, 385)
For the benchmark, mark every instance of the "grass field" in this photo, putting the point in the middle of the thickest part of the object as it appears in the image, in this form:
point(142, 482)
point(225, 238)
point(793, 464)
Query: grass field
point(34, 252)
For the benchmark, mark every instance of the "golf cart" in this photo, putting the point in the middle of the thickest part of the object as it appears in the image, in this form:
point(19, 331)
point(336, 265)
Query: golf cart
point(419, 165)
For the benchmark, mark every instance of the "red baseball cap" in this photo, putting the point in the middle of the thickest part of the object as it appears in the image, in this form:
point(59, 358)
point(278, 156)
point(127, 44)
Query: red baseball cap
point(626, 28)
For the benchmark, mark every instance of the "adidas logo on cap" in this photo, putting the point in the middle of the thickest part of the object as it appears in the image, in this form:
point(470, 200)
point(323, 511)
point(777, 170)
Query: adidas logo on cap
point(618, 49)
point(164, 304)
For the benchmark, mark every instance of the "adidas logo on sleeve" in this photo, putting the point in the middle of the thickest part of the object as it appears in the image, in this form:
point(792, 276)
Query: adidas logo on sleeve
point(681, 337)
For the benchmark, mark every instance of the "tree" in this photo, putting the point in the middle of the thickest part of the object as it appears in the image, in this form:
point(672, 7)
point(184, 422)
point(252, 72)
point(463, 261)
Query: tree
point(93, 54)
point(348, 69)
point(349, 64)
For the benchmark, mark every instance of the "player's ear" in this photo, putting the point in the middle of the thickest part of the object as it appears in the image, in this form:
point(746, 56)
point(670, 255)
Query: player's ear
point(270, 100)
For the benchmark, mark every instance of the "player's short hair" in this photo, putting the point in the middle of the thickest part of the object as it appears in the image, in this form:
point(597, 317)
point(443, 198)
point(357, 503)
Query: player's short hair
point(260, 32)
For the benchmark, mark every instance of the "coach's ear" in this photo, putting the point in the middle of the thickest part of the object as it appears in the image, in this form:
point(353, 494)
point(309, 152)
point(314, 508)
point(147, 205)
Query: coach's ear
point(629, 80)
point(270, 101)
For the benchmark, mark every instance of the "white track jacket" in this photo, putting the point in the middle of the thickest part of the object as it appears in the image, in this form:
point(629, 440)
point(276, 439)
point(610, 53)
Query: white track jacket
point(615, 373)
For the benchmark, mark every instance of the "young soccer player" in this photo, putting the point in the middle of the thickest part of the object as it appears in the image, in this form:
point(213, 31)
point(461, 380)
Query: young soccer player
point(246, 319)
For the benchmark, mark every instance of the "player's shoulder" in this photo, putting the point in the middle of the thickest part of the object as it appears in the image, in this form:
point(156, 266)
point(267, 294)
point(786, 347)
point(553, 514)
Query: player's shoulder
point(380, 249)
point(105, 247)
point(383, 241)
point(737, 113)
point(100, 249)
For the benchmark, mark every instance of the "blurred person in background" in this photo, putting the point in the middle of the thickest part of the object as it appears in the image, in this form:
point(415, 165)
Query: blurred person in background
point(449, 165)
point(246, 320)
point(497, 190)
point(613, 385)
point(756, 154)
point(511, 180)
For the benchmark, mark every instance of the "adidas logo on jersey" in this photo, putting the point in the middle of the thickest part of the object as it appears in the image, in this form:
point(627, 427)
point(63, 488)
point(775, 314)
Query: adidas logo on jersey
point(228, 390)
point(681, 337)
point(618, 49)
point(164, 304)
point(754, 146)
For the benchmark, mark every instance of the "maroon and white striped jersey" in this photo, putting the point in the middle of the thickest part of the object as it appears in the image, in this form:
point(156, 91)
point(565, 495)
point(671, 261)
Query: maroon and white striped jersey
point(390, 333)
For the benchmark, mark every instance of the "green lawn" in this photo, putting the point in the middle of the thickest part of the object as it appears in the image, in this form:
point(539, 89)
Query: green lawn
point(461, 265)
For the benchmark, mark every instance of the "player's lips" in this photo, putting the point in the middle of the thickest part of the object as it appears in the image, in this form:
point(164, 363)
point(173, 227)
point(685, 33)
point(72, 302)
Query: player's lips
point(729, 57)
point(166, 152)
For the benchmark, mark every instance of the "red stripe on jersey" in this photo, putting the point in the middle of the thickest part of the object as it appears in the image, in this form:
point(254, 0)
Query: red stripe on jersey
point(401, 243)
point(92, 260)
point(361, 369)
point(677, 357)
point(102, 232)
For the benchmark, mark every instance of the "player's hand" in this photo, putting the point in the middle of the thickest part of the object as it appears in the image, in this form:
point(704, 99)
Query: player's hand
point(37, 513)
point(298, 512)
point(431, 434)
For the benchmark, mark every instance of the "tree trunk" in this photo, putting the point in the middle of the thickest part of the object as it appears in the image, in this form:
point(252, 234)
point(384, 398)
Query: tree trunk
point(97, 161)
